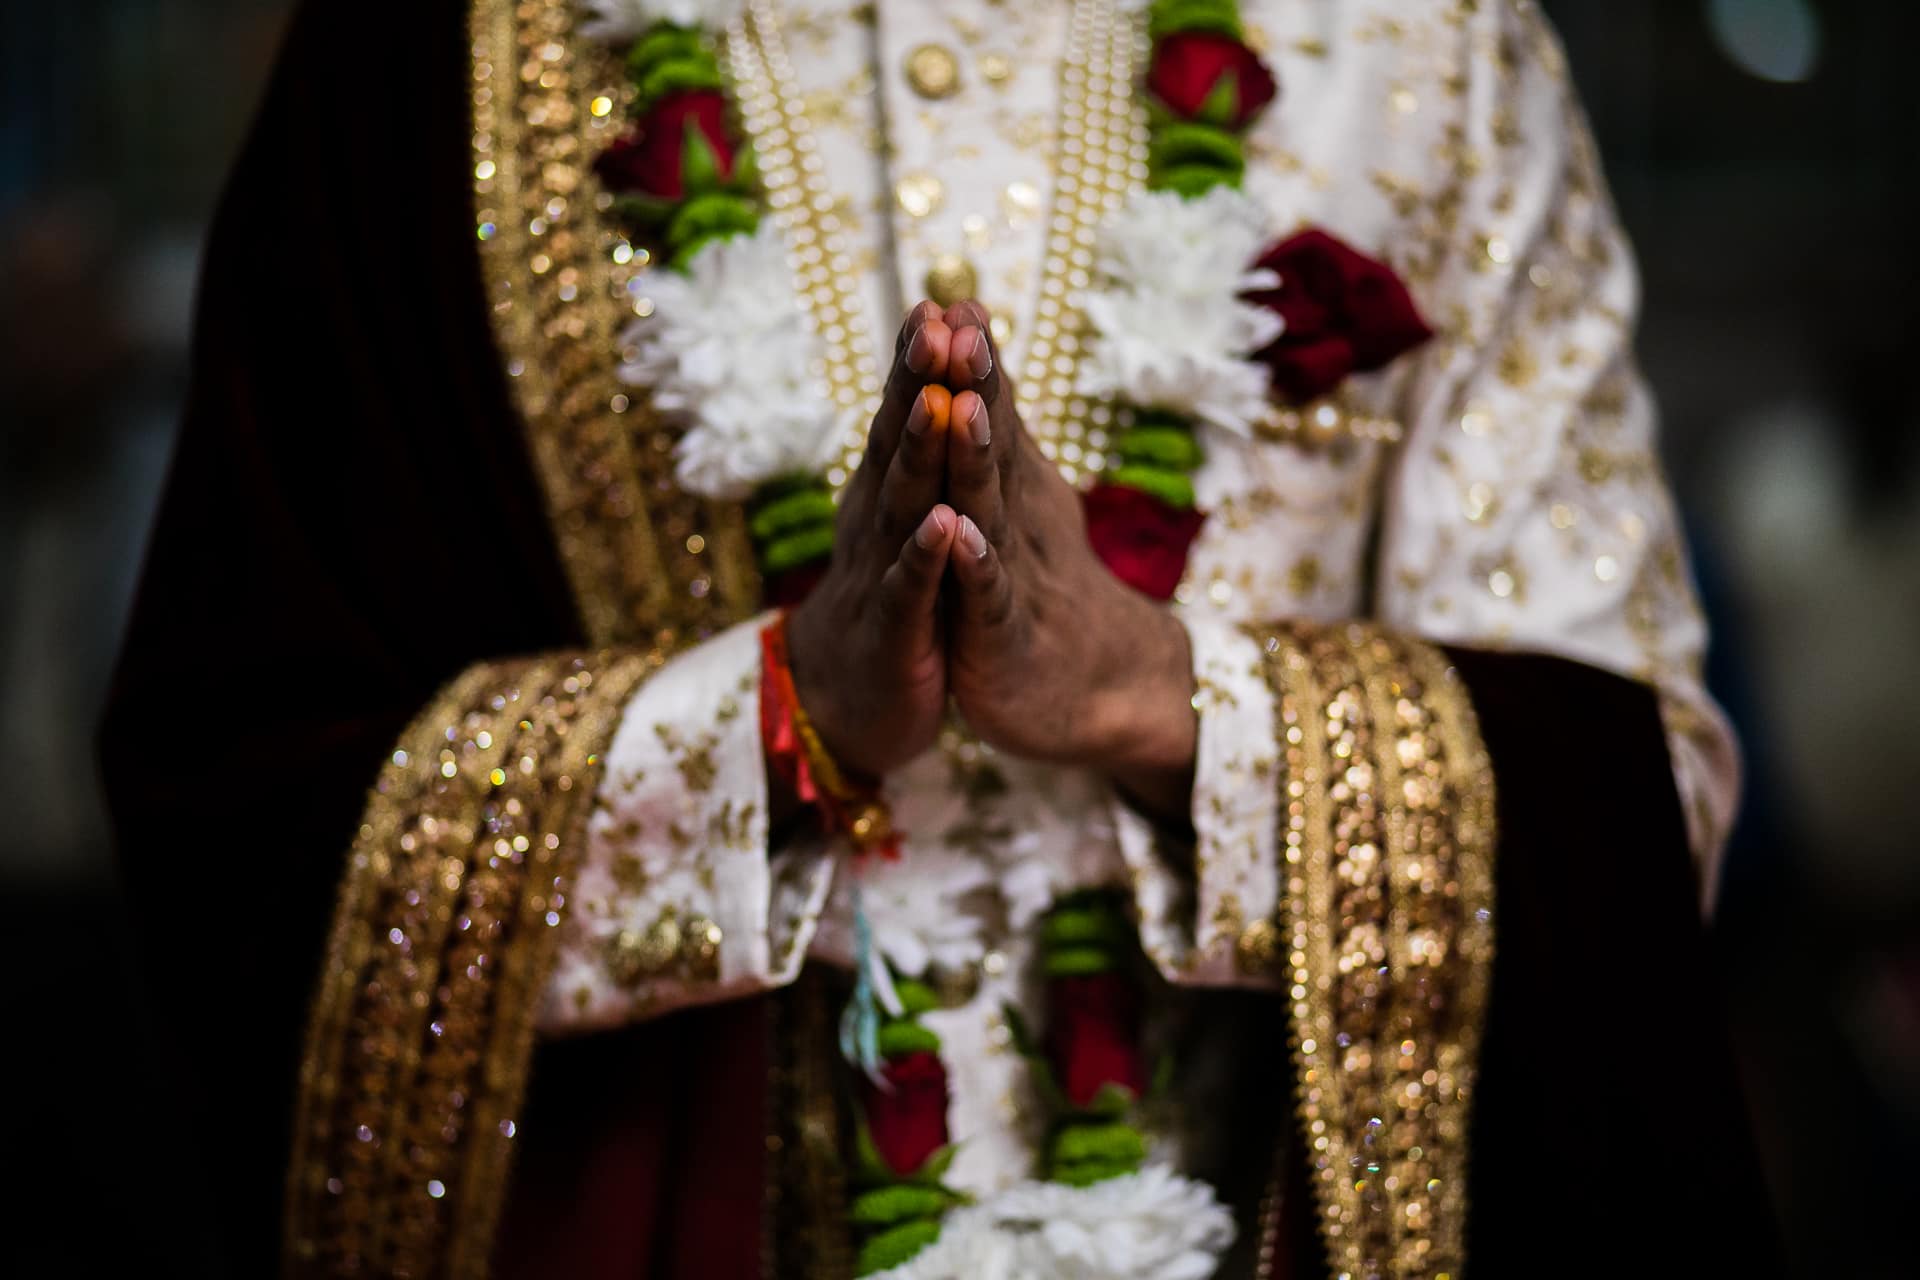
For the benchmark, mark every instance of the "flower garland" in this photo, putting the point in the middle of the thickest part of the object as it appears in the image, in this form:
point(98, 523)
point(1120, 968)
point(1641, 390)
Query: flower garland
point(1199, 319)
point(1102, 1210)
point(1092, 1067)
point(686, 186)
point(901, 1151)
point(1200, 323)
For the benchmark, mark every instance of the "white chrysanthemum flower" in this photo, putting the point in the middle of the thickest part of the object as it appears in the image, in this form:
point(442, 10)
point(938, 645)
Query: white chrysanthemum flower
point(1061, 839)
point(627, 19)
point(728, 351)
point(917, 907)
point(1171, 330)
point(1151, 1225)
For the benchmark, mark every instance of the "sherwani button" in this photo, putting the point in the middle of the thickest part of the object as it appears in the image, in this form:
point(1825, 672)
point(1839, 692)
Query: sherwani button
point(951, 279)
point(933, 71)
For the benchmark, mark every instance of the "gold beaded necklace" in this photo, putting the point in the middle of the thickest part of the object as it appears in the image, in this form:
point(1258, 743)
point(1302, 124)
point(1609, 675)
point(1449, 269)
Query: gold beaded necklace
point(1102, 156)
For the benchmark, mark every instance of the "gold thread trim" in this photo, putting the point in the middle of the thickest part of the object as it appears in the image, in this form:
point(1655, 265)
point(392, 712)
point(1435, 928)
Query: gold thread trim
point(1387, 908)
point(803, 208)
point(1101, 155)
point(561, 283)
point(1323, 423)
point(444, 932)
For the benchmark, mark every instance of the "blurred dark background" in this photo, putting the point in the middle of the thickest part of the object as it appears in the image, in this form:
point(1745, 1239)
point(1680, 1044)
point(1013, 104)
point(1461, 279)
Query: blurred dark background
point(1763, 153)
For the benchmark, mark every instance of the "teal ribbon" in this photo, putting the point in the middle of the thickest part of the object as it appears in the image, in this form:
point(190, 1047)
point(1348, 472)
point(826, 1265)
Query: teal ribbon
point(860, 1021)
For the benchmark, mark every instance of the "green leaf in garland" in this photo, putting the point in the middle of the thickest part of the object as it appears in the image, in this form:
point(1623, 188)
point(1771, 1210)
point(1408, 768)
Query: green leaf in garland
point(1165, 448)
point(1085, 1175)
point(1221, 106)
point(711, 213)
point(884, 1206)
point(679, 259)
point(1079, 962)
point(1039, 1071)
point(663, 43)
point(1162, 418)
point(1191, 181)
point(869, 1167)
point(1222, 17)
point(797, 549)
point(788, 512)
point(1113, 1143)
point(916, 997)
point(1109, 1101)
point(699, 166)
point(893, 1247)
point(903, 1036)
point(1018, 1033)
point(1068, 927)
point(935, 1168)
point(642, 211)
point(1185, 142)
point(1171, 487)
point(678, 75)
point(745, 178)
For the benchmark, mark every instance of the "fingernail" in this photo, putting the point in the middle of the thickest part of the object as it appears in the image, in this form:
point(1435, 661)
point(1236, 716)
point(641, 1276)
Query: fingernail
point(931, 531)
point(919, 416)
point(972, 539)
point(981, 361)
point(977, 424)
point(919, 351)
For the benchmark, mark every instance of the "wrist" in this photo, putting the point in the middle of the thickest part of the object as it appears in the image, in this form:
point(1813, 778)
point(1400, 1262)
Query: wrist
point(813, 686)
point(1147, 727)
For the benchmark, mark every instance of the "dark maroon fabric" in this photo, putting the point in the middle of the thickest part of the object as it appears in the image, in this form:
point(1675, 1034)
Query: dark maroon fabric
point(643, 1153)
point(1609, 1135)
point(350, 520)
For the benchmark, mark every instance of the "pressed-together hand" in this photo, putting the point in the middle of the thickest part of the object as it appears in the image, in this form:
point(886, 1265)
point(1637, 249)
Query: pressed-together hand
point(1051, 657)
point(867, 648)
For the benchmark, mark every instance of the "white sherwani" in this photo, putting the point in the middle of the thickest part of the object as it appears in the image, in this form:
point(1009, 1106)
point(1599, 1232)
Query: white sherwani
point(1522, 507)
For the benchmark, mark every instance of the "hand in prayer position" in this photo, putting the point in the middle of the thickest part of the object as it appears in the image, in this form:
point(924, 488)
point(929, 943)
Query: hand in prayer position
point(1051, 657)
point(1046, 653)
point(867, 650)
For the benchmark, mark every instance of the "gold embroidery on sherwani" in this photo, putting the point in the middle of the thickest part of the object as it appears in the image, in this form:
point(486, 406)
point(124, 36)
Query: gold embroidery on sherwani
point(640, 554)
point(442, 938)
point(1387, 908)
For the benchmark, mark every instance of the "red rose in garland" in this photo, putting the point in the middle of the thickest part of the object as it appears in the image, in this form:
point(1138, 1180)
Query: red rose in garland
point(1190, 74)
point(1093, 1035)
point(650, 160)
point(1141, 539)
point(908, 1119)
point(1345, 313)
